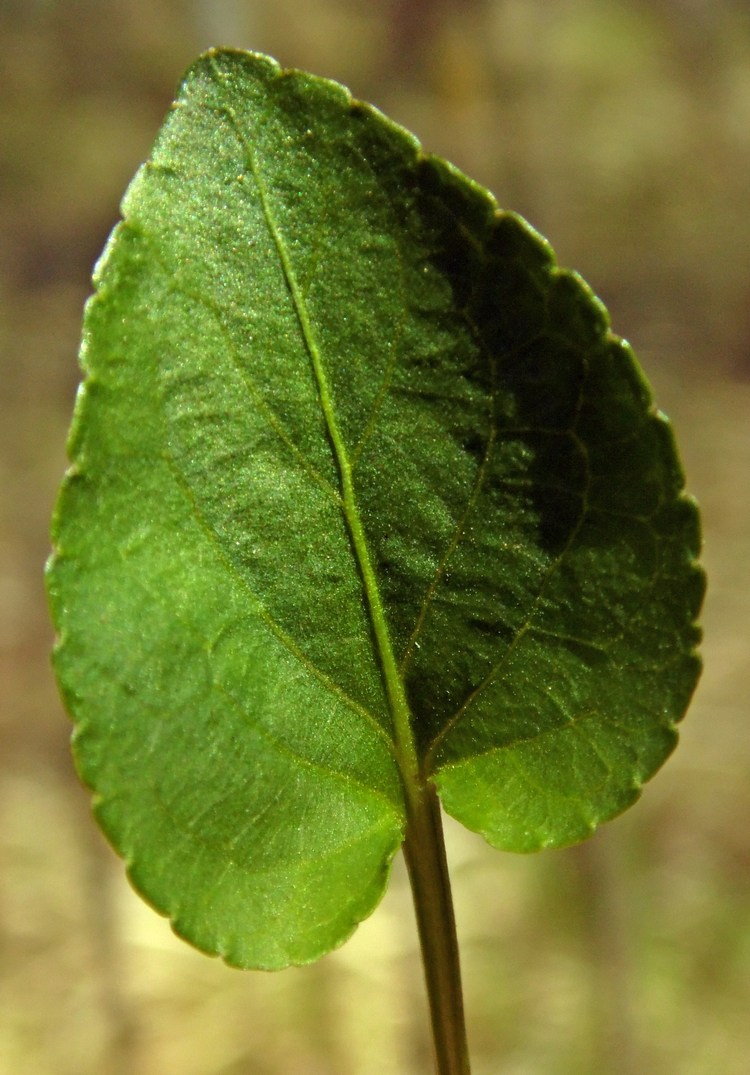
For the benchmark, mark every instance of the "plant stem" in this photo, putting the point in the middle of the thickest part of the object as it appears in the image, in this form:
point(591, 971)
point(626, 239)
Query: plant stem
point(424, 851)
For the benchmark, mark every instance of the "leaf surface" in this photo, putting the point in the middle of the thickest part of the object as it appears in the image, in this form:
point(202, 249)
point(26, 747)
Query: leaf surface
point(363, 494)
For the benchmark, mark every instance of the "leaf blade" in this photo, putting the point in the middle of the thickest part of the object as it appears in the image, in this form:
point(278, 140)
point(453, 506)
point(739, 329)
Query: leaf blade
point(380, 454)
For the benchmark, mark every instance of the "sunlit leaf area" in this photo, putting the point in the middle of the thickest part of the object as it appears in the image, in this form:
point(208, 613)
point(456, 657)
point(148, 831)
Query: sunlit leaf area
point(621, 130)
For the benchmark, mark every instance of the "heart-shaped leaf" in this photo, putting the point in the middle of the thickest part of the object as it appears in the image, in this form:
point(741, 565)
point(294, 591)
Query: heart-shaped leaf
point(364, 496)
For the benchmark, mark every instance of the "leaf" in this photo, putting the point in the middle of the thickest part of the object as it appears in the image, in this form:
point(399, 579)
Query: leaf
point(364, 495)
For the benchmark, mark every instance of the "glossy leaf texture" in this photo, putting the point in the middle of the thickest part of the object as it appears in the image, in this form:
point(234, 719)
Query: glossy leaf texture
point(364, 494)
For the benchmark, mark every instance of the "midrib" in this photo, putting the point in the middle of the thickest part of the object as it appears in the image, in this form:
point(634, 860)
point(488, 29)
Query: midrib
point(404, 743)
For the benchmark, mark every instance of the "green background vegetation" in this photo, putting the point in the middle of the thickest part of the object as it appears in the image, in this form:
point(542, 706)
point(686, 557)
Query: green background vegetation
point(622, 131)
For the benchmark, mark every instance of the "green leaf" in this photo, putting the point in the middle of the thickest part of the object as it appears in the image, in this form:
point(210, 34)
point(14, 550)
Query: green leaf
point(364, 495)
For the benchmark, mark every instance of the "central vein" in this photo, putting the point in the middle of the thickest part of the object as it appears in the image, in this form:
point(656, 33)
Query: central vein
point(404, 738)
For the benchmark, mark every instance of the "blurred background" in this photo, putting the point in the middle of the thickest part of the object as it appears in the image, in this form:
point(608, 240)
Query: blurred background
point(621, 130)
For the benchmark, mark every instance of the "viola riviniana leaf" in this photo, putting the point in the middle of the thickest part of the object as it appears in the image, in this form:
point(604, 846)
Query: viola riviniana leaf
point(363, 494)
